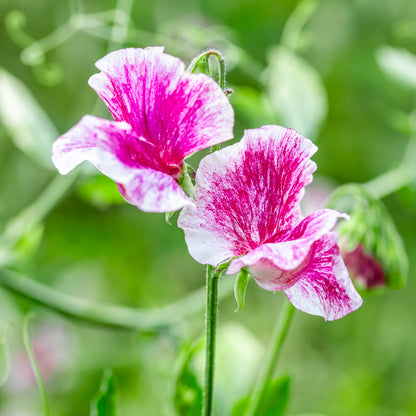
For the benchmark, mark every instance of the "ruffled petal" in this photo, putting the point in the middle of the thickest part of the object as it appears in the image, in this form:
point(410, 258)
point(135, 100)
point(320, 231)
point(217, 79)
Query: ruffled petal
point(97, 140)
point(325, 288)
point(179, 113)
point(121, 156)
point(154, 191)
point(248, 194)
point(272, 264)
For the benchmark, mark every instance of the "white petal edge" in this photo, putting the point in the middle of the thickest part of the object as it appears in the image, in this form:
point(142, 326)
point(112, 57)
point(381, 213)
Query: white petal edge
point(311, 296)
point(287, 255)
point(163, 194)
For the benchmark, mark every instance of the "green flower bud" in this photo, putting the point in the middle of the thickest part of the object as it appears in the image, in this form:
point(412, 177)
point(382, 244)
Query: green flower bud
point(371, 247)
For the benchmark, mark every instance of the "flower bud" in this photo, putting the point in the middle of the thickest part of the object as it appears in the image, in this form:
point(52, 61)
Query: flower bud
point(371, 247)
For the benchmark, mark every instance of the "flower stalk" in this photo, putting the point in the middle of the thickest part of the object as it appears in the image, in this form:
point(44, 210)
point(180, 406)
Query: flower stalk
point(391, 181)
point(275, 347)
point(210, 327)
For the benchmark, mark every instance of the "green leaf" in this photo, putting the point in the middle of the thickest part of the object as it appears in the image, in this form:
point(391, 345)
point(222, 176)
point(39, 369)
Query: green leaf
point(104, 401)
point(188, 392)
point(25, 121)
point(296, 92)
point(398, 64)
point(240, 288)
point(273, 403)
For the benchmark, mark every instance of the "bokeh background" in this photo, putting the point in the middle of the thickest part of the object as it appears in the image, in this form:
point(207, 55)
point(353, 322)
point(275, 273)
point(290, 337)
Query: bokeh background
point(340, 71)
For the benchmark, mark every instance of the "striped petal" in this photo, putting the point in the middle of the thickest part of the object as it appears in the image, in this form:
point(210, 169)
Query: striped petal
point(324, 287)
point(129, 161)
point(271, 264)
point(177, 112)
point(248, 194)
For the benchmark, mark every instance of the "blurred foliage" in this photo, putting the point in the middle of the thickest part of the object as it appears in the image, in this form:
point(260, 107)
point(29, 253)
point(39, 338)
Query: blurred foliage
point(344, 65)
point(104, 402)
point(188, 391)
point(371, 226)
point(274, 402)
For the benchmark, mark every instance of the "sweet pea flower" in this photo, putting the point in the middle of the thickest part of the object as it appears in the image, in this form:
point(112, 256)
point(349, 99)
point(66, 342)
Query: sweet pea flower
point(162, 114)
point(247, 210)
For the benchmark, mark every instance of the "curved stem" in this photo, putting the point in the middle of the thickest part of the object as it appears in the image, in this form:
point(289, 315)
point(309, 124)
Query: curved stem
point(390, 182)
point(275, 348)
point(106, 315)
point(210, 327)
point(33, 363)
point(38, 210)
point(293, 28)
point(121, 24)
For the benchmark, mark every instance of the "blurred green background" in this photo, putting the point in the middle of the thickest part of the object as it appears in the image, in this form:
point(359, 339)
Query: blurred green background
point(328, 71)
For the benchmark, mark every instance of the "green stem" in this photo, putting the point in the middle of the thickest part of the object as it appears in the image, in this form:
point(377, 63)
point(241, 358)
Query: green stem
point(275, 348)
point(121, 24)
point(293, 29)
point(34, 364)
point(106, 315)
point(390, 182)
point(210, 327)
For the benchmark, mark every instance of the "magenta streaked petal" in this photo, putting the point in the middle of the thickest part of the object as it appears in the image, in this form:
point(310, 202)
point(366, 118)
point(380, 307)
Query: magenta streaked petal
point(126, 159)
point(315, 225)
point(154, 191)
point(109, 145)
point(95, 140)
point(248, 194)
point(325, 288)
point(286, 255)
point(177, 112)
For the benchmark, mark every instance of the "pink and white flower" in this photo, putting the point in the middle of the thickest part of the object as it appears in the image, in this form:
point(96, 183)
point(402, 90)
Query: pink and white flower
point(162, 114)
point(247, 209)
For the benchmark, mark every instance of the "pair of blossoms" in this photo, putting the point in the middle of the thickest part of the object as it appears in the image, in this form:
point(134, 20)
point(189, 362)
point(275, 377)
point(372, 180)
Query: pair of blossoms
point(246, 205)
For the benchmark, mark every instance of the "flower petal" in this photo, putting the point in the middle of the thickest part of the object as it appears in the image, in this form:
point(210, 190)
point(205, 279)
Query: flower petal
point(325, 288)
point(248, 194)
point(97, 140)
point(129, 161)
point(179, 113)
point(154, 191)
point(271, 264)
